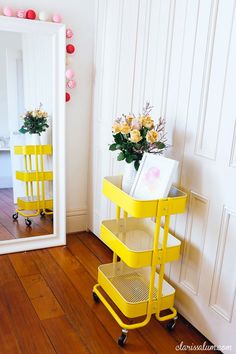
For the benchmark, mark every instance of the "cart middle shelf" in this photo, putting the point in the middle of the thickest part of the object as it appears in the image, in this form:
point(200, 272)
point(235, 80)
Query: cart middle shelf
point(132, 240)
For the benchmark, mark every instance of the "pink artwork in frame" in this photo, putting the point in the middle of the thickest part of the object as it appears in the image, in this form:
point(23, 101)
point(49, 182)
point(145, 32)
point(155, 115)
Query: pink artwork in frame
point(154, 178)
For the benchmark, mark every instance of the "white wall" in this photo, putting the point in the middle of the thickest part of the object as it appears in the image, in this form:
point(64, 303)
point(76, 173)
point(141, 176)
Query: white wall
point(78, 15)
point(12, 41)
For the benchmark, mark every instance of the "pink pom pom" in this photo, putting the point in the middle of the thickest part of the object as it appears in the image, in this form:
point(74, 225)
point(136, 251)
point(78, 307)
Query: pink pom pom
point(56, 18)
point(71, 84)
point(70, 74)
point(69, 33)
point(7, 11)
point(21, 13)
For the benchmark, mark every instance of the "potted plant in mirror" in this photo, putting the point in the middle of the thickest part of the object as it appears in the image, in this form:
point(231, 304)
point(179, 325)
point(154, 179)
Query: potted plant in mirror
point(34, 123)
point(135, 135)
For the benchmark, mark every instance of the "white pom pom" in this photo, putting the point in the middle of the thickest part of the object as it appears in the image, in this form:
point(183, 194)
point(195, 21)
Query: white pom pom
point(43, 16)
point(69, 60)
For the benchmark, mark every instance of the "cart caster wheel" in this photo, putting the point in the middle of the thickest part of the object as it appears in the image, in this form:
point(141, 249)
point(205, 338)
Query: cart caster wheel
point(42, 214)
point(96, 298)
point(28, 222)
point(123, 338)
point(15, 216)
point(171, 324)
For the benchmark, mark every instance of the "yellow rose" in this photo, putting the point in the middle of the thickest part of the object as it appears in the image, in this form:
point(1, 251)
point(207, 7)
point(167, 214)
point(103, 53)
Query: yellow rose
point(147, 122)
point(129, 118)
point(135, 136)
point(116, 128)
point(152, 136)
point(125, 128)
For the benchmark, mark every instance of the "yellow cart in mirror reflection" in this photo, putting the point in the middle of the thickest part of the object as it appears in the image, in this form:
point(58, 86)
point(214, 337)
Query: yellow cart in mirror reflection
point(34, 176)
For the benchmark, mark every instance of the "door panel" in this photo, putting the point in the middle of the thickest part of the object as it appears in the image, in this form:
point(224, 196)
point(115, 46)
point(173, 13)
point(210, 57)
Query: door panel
point(180, 55)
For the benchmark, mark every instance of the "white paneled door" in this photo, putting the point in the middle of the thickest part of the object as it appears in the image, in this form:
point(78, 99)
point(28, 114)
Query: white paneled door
point(179, 55)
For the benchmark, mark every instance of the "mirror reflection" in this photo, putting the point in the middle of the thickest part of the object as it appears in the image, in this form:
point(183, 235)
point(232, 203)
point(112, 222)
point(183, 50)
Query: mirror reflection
point(26, 156)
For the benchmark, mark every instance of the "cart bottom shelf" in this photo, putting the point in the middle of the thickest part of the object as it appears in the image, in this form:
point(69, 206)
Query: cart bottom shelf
point(128, 288)
point(31, 203)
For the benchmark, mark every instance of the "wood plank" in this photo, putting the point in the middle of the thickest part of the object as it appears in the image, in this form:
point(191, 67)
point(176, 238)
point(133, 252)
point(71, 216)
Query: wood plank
point(64, 336)
point(8, 340)
point(80, 251)
point(79, 313)
point(25, 324)
point(23, 264)
point(42, 298)
point(78, 275)
point(18, 229)
point(5, 234)
point(96, 246)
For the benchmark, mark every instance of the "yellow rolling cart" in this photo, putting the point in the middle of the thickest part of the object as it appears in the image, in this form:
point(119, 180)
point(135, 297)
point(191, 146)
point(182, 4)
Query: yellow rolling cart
point(34, 176)
point(133, 284)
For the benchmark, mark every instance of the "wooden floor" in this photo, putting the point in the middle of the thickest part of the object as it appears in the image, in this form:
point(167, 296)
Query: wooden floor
point(10, 229)
point(46, 306)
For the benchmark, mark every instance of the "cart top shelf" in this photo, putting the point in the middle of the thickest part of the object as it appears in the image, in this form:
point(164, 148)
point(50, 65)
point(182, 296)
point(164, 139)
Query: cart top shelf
point(33, 150)
point(174, 204)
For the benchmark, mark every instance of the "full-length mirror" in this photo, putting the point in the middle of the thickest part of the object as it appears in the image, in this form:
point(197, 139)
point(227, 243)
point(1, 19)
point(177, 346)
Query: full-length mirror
point(32, 207)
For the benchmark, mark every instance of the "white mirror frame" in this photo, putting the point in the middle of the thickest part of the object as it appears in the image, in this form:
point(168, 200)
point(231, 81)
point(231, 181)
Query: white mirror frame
point(57, 32)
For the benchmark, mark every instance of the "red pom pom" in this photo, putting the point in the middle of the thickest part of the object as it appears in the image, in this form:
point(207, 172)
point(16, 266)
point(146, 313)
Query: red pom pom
point(30, 14)
point(67, 97)
point(70, 48)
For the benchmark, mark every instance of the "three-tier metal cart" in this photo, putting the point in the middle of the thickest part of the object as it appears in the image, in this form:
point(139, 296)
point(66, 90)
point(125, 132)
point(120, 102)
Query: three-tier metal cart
point(133, 283)
point(34, 176)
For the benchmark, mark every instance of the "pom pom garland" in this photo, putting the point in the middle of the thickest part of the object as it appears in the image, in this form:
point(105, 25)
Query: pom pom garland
point(67, 97)
point(7, 11)
point(20, 13)
point(70, 48)
point(30, 14)
point(71, 84)
point(43, 16)
point(70, 74)
point(56, 18)
point(69, 33)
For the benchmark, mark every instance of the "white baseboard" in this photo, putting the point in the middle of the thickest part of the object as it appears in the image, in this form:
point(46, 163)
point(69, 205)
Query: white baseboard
point(76, 220)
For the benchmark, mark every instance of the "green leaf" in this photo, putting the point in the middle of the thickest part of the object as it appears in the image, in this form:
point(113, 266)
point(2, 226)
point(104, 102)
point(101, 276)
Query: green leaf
point(121, 156)
point(129, 158)
point(22, 130)
point(136, 165)
point(118, 138)
point(160, 145)
point(112, 147)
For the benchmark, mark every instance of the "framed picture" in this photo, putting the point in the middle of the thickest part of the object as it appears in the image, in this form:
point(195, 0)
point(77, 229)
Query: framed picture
point(154, 178)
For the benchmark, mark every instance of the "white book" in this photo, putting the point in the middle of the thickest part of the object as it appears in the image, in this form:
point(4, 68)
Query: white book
point(154, 177)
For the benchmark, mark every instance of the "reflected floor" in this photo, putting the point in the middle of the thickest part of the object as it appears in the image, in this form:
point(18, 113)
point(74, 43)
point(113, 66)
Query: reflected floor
point(10, 229)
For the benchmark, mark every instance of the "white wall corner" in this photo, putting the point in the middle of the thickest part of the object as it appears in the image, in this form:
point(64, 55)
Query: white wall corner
point(76, 220)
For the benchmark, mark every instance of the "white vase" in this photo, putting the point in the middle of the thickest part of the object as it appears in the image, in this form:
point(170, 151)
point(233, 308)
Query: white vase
point(128, 177)
point(32, 139)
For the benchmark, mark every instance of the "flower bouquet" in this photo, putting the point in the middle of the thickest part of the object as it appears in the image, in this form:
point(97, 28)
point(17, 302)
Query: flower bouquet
point(135, 135)
point(34, 122)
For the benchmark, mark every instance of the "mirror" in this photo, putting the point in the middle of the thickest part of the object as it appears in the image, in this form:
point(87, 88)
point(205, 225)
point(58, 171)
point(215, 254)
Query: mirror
point(32, 191)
